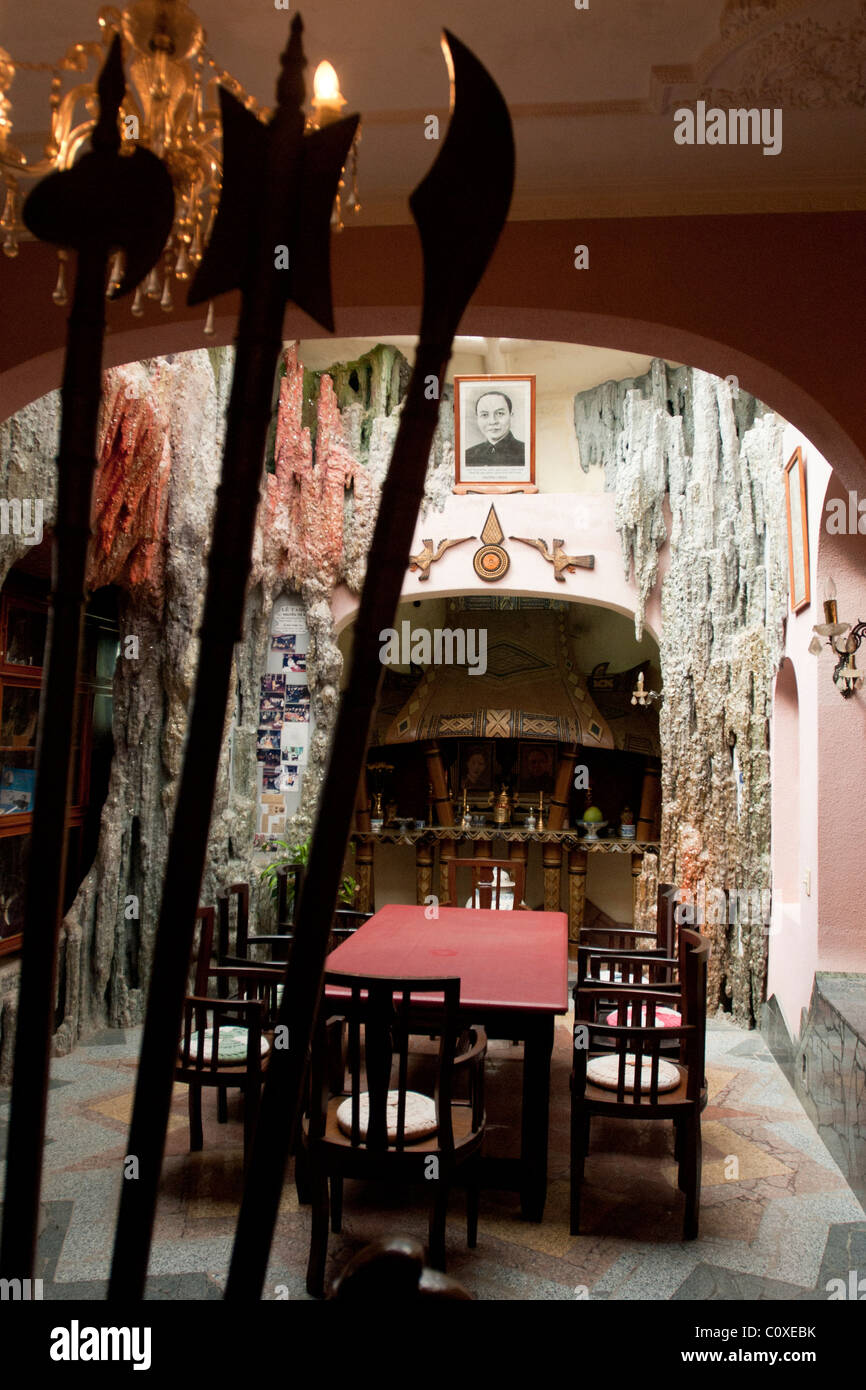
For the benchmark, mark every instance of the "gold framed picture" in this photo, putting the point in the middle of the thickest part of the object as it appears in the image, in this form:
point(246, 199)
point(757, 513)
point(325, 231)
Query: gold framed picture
point(798, 531)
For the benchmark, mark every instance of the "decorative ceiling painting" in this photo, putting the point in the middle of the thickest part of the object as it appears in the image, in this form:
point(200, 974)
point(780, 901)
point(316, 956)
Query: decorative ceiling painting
point(531, 689)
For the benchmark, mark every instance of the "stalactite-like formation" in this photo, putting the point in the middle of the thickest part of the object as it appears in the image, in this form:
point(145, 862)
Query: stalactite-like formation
point(718, 456)
point(160, 445)
point(131, 490)
point(159, 452)
point(320, 506)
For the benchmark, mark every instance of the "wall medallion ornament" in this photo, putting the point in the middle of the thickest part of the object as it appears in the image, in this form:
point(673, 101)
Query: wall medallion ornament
point(427, 557)
point(491, 562)
point(562, 563)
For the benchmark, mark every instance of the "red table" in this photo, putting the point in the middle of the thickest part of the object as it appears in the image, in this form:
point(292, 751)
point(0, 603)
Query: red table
point(513, 969)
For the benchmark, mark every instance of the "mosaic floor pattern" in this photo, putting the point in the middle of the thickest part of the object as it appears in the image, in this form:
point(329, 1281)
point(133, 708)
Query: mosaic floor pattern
point(778, 1220)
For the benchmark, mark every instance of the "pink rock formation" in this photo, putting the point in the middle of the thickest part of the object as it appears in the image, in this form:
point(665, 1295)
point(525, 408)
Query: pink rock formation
point(131, 493)
point(304, 511)
point(300, 523)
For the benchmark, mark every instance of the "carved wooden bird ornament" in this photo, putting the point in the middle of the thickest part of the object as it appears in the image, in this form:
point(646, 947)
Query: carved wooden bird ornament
point(562, 563)
point(427, 557)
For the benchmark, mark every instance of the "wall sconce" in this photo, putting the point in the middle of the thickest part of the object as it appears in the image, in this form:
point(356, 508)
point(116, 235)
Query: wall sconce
point(845, 674)
point(642, 697)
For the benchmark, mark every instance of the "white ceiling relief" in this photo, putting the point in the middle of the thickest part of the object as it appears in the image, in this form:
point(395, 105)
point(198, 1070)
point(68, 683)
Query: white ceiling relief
point(592, 93)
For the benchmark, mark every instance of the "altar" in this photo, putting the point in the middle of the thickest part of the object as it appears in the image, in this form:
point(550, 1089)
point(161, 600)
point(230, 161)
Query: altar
point(564, 852)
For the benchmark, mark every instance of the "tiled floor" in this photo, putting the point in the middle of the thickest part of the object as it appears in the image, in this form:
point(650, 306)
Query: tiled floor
point(778, 1220)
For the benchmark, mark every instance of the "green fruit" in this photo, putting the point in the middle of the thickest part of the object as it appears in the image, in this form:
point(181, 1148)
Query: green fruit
point(592, 813)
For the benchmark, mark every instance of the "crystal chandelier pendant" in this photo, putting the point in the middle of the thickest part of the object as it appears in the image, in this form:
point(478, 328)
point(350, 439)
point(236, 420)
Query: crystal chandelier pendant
point(61, 295)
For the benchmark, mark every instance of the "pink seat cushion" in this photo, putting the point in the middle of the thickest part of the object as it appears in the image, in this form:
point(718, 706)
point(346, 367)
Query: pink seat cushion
point(665, 1018)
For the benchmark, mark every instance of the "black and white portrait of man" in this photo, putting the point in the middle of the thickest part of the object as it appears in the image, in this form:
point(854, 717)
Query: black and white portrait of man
point(494, 419)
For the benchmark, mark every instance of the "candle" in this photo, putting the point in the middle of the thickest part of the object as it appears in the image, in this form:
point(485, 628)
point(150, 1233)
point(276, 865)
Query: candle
point(328, 100)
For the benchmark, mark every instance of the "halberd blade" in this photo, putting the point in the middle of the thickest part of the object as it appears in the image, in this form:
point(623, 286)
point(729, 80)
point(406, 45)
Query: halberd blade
point(324, 155)
point(227, 258)
point(462, 204)
point(126, 203)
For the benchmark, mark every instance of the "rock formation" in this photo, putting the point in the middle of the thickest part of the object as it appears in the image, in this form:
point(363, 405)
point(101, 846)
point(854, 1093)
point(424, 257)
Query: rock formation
point(715, 455)
point(160, 444)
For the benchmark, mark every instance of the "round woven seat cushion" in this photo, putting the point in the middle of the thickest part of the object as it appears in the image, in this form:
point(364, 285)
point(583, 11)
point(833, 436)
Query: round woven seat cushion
point(420, 1116)
point(232, 1045)
point(604, 1071)
point(665, 1018)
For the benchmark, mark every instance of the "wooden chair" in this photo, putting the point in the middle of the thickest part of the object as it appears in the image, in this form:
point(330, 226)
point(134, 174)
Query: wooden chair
point(603, 1074)
point(367, 1132)
point(597, 966)
point(487, 885)
point(346, 922)
point(619, 938)
point(290, 878)
point(241, 893)
point(210, 1056)
point(601, 972)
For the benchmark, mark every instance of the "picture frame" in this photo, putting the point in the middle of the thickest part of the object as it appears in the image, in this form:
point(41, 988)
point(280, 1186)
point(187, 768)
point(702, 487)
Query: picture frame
point(536, 768)
point(475, 768)
point(798, 532)
point(494, 440)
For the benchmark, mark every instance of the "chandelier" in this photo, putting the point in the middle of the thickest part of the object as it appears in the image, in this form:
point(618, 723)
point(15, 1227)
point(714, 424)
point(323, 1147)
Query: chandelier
point(170, 107)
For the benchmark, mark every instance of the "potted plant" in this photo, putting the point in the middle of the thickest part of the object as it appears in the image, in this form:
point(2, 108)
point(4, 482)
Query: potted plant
point(299, 854)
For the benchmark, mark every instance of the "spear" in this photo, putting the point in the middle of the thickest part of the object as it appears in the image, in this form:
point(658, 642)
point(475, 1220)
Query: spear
point(105, 203)
point(270, 240)
point(460, 209)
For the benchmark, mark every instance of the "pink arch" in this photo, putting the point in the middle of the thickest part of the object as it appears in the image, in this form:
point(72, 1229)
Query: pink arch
point(132, 341)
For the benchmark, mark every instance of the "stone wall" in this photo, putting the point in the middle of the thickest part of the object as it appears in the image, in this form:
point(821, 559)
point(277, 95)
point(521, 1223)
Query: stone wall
point(680, 436)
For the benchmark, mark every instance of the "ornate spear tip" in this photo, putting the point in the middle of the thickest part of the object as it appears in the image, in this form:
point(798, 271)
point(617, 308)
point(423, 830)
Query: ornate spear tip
point(291, 89)
point(111, 87)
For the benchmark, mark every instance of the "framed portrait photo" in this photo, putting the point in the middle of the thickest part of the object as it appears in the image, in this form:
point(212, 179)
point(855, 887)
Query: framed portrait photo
point(536, 768)
point(798, 531)
point(476, 766)
point(494, 434)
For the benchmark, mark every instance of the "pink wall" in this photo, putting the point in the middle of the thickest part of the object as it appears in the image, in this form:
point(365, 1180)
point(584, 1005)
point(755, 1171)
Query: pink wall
point(786, 785)
point(841, 766)
point(819, 927)
point(793, 945)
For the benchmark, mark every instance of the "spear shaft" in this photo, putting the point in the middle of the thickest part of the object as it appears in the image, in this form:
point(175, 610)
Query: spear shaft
point(76, 462)
point(386, 567)
point(102, 204)
point(258, 345)
point(245, 245)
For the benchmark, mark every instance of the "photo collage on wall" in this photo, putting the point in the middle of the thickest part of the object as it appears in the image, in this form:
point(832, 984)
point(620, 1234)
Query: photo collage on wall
point(285, 726)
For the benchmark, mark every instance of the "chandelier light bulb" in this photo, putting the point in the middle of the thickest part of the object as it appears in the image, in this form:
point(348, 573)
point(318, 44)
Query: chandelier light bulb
point(328, 100)
point(325, 83)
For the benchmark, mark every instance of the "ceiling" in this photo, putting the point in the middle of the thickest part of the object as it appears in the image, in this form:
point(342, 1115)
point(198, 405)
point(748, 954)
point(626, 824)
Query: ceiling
point(592, 92)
